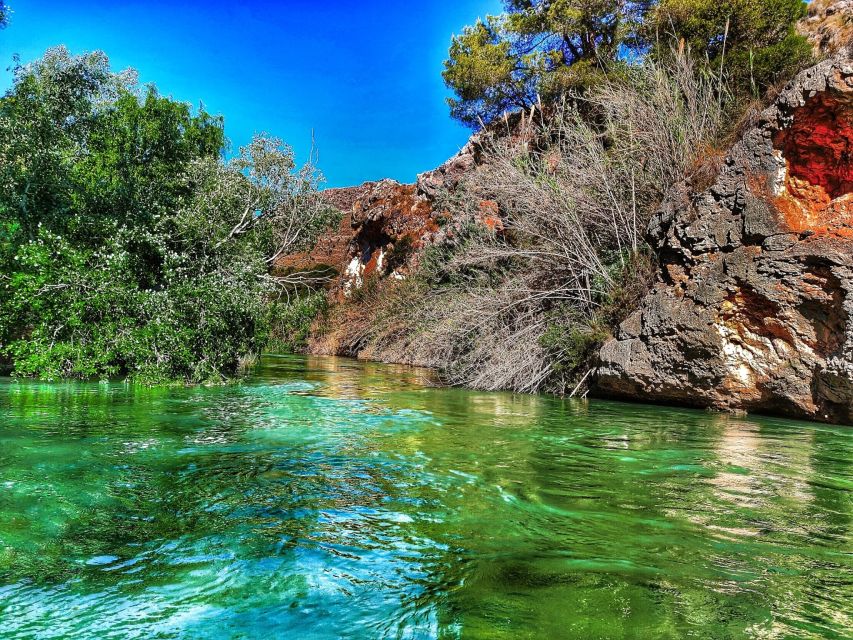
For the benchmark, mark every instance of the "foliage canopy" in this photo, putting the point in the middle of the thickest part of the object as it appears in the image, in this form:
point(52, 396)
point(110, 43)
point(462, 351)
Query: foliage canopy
point(542, 49)
point(128, 245)
point(537, 48)
point(753, 40)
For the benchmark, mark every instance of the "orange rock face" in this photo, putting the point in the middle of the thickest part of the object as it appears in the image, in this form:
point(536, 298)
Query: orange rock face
point(384, 225)
point(490, 215)
point(818, 153)
point(332, 248)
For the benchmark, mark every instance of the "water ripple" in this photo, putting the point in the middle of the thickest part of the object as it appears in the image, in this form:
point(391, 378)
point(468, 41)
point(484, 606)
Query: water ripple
point(328, 499)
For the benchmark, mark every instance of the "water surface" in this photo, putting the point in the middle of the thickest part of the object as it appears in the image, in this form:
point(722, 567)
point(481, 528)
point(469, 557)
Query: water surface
point(331, 499)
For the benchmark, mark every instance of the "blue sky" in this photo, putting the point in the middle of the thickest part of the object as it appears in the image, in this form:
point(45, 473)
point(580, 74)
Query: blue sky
point(365, 75)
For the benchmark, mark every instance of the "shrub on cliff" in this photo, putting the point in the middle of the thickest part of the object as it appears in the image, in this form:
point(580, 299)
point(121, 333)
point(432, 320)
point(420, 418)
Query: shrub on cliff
point(128, 247)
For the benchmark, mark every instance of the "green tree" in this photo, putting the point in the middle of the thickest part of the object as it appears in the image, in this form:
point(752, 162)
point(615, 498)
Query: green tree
point(4, 14)
point(128, 245)
point(545, 48)
point(536, 48)
point(753, 41)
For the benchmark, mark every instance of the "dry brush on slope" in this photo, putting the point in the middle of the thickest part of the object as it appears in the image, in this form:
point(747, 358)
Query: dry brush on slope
point(549, 234)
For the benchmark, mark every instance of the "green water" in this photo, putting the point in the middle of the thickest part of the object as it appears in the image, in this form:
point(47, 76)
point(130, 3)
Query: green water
point(331, 499)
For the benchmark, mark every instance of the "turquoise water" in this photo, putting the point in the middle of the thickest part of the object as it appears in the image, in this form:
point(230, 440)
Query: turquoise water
point(332, 499)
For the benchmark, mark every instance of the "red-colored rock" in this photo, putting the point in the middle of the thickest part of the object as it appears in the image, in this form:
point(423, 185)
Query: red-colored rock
point(384, 225)
point(490, 215)
point(818, 153)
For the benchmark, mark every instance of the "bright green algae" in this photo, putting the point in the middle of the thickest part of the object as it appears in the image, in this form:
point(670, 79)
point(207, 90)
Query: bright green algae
point(332, 499)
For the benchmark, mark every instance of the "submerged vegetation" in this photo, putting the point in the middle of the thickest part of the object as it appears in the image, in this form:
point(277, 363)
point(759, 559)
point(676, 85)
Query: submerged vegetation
point(426, 513)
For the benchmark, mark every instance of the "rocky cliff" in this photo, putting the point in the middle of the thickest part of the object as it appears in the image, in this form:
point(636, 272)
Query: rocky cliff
point(753, 305)
point(828, 25)
point(385, 224)
point(383, 227)
point(753, 309)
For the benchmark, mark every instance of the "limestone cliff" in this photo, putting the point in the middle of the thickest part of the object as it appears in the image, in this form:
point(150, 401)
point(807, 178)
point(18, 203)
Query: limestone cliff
point(753, 309)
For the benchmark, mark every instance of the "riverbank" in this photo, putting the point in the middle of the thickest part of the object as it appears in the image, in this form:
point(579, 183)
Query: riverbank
point(741, 303)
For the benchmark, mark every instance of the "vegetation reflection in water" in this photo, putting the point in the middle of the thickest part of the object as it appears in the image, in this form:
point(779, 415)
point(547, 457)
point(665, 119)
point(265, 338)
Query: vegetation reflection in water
point(328, 498)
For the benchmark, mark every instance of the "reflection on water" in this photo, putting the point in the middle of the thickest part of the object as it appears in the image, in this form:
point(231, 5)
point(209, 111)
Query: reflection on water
point(334, 499)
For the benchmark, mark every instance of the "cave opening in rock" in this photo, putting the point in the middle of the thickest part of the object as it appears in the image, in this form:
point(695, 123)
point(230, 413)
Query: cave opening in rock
point(371, 240)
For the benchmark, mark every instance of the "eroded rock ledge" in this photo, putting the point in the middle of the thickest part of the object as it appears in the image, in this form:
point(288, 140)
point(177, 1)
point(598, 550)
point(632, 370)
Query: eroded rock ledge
point(753, 309)
point(385, 224)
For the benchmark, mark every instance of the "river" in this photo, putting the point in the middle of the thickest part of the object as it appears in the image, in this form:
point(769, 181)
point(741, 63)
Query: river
point(327, 498)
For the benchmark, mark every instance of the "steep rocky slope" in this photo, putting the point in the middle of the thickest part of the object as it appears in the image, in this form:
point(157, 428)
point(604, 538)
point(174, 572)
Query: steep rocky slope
point(754, 306)
point(385, 224)
point(828, 25)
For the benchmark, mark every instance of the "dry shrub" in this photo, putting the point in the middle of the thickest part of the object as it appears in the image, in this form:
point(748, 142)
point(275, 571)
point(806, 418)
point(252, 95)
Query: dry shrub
point(468, 334)
point(525, 307)
point(373, 323)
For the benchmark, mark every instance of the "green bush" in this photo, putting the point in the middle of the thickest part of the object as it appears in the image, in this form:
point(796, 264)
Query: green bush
point(570, 347)
point(290, 322)
point(128, 247)
point(753, 41)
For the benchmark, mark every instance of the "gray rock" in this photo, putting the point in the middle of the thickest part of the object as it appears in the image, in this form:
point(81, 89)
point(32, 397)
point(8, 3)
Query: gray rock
point(753, 309)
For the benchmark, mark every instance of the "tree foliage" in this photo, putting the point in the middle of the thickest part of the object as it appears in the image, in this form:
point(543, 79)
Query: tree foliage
point(537, 48)
point(753, 40)
point(128, 246)
point(541, 49)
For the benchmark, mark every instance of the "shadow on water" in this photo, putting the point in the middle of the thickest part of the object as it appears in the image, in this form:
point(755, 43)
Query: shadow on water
point(329, 498)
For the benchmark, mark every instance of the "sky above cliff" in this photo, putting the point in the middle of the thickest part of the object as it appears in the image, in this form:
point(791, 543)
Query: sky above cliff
point(364, 76)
